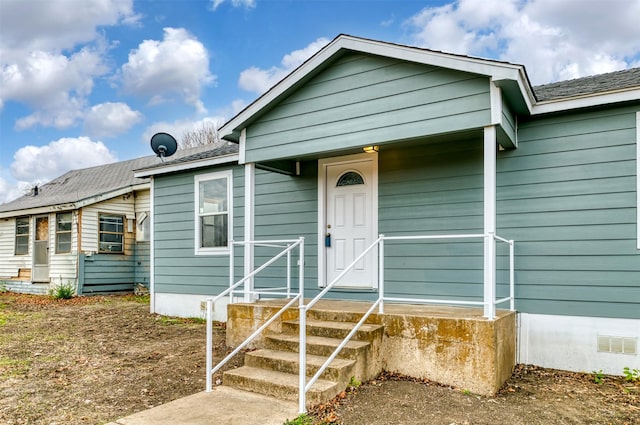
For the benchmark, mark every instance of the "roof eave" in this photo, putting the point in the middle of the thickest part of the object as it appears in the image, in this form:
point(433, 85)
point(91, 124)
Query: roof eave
point(66, 206)
point(185, 166)
point(586, 101)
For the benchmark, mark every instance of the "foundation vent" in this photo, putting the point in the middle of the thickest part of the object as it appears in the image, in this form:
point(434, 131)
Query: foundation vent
point(617, 344)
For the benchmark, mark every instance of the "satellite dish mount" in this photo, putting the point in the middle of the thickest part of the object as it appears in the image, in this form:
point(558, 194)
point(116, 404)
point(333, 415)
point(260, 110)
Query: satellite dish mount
point(164, 145)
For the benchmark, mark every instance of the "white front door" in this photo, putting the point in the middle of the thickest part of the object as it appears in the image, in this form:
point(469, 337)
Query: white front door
point(350, 220)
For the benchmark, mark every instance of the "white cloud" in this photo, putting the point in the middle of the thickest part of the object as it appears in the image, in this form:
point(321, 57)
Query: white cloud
point(176, 66)
point(54, 85)
point(47, 65)
point(554, 39)
point(40, 164)
point(258, 80)
point(248, 4)
point(57, 25)
point(110, 119)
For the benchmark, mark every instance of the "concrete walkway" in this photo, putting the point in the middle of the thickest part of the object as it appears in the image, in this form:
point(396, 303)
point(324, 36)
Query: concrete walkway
point(222, 406)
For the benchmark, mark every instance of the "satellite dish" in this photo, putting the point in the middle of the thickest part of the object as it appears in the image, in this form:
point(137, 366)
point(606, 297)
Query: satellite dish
point(164, 145)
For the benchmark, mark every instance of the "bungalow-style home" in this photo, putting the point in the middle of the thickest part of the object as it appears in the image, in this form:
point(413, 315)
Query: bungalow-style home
point(88, 228)
point(462, 179)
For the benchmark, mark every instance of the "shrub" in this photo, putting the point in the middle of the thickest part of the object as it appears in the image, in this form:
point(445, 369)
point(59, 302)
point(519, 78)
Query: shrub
point(63, 291)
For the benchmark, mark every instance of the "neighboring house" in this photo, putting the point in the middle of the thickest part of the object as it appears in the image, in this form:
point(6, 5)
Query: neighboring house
point(88, 227)
point(460, 146)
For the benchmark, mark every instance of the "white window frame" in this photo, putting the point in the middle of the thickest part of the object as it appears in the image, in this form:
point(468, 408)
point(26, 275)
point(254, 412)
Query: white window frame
point(228, 174)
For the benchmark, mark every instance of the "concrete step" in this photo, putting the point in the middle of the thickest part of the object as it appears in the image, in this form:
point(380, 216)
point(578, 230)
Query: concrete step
point(317, 345)
point(280, 385)
point(339, 330)
point(326, 313)
point(339, 370)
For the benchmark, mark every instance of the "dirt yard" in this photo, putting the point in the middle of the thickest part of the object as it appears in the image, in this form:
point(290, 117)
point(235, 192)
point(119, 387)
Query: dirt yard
point(94, 360)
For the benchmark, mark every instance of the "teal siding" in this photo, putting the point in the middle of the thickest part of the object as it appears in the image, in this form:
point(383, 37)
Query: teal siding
point(106, 274)
point(142, 259)
point(286, 207)
point(363, 100)
point(429, 190)
point(567, 196)
point(177, 268)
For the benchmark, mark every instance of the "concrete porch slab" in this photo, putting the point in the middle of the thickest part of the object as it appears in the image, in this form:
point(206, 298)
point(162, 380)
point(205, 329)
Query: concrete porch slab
point(222, 406)
point(451, 345)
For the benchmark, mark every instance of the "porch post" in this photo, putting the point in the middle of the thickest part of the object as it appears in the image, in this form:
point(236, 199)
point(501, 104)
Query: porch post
point(249, 191)
point(489, 221)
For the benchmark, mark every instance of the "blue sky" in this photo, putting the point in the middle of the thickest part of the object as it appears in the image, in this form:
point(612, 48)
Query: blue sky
point(87, 82)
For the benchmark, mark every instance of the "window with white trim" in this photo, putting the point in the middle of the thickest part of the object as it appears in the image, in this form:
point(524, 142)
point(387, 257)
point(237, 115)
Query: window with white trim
point(22, 236)
point(63, 232)
point(213, 218)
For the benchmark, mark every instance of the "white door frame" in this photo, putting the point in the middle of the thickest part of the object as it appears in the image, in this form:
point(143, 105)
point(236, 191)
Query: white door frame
point(322, 204)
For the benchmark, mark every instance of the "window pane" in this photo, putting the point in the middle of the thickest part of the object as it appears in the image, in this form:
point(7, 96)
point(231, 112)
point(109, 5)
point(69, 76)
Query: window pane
point(63, 242)
point(111, 223)
point(22, 245)
point(213, 196)
point(214, 231)
point(350, 178)
point(63, 222)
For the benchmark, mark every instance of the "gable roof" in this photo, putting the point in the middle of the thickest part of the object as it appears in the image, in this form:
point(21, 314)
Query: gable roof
point(77, 188)
point(511, 77)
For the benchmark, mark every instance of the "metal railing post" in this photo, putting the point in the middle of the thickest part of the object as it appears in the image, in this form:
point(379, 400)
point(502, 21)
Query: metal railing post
point(381, 274)
point(209, 331)
point(512, 279)
point(288, 272)
point(302, 349)
point(231, 268)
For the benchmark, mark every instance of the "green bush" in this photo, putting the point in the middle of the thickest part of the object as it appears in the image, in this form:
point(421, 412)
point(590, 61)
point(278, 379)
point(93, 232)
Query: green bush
point(64, 291)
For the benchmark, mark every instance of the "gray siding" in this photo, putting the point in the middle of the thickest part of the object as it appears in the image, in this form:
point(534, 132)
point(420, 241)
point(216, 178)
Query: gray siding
point(567, 196)
point(177, 268)
point(364, 100)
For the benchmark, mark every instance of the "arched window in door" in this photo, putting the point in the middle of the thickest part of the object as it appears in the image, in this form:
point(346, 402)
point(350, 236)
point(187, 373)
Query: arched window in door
point(350, 178)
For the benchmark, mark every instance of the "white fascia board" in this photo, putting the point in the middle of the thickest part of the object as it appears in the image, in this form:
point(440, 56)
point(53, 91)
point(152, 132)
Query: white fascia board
point(74, 205)
point(218, 160)
point(586, 101)
point(39, 210)
point(495, 70)
point(111, 195)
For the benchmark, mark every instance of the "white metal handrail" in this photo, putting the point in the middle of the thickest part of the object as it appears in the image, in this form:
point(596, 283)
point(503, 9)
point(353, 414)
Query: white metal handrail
point(494, 302)
point(305, 386)
point(291, 244)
